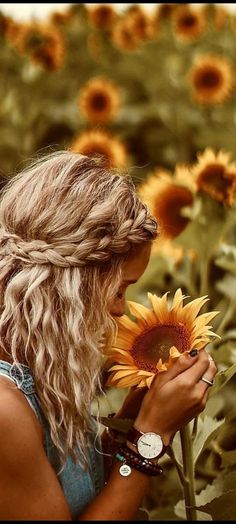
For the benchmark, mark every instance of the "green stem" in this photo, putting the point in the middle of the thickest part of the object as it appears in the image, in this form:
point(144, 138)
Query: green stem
point(227, 317)
point(179, 468)
point(194, 432)
point(203, 277)
point(188, 470)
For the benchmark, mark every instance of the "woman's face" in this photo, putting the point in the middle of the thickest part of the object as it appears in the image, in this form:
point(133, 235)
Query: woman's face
point(133, 268)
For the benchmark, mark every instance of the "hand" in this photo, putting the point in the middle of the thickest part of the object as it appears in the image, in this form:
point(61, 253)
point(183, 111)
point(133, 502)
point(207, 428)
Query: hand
point(176, 396)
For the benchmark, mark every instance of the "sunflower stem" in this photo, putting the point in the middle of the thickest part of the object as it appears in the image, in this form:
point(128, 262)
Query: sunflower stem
point(227, 317)
point(179, 469)
point(188, 472)
point(203, 276)
point(194, 432)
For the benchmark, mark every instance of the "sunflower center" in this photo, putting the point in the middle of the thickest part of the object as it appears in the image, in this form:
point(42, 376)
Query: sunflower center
point(99, 101)
point(155, 343)
point(187, 21)
point(213, 177)
point(210, 78)
point(168, 210)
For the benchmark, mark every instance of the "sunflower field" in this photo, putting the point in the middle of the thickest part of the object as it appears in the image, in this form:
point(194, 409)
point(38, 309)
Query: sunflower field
point(155, 94)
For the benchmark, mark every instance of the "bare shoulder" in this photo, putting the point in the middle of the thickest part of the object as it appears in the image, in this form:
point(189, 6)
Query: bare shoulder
point(29, 487)
point(19, 428)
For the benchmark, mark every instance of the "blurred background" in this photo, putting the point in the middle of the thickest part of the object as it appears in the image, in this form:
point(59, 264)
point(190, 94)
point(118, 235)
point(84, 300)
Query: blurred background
point(152, 88)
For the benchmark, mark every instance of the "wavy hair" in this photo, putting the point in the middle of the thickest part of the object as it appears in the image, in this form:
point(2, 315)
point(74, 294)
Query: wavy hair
point(67, 225)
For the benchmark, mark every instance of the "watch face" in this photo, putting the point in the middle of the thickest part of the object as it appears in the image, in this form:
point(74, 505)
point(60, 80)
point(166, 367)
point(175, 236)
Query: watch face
point(150, 445)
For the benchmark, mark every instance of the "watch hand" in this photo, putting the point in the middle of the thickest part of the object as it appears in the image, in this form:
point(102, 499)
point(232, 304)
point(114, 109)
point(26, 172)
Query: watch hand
point(145, 444)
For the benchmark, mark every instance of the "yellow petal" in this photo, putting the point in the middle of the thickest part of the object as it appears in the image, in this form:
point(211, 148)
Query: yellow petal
point(127, 323)
point(160, 306)
point(160, 366)
point(142, 313)
point(120, 366)
point(150, 380)
point(191, 309)
point(120, 356)
point(174, 353)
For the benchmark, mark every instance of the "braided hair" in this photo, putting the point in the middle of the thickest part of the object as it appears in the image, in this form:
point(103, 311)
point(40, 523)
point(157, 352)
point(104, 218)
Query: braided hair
point(67, 225)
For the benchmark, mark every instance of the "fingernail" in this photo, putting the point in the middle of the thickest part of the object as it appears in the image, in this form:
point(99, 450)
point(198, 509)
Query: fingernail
point(193, 352)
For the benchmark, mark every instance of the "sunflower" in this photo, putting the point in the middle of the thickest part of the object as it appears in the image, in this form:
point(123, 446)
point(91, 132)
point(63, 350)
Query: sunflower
point(215, 175)
point(97, 142)
point(148, 346)
point(123, 35)
point(99, 100)
point(188, 24)
point(212, 79)
point(43, 43)
point(141, 24)
point(102, 16)
point(167, 195)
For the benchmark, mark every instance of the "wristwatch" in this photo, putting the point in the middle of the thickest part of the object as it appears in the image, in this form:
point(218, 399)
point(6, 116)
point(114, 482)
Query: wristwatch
point(149, 445)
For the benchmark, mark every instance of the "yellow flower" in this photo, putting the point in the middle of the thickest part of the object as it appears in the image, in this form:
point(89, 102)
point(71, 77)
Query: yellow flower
point(43, 43)
point(215, 175)
point(98, 142)
point(188, 23)
point(102, 16)
point(148, 346)
point(99, 100)
point(123, 35)
point(167, 195)
point(212, 79)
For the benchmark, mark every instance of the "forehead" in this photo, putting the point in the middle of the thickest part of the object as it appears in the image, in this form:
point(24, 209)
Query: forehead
point(136, 264)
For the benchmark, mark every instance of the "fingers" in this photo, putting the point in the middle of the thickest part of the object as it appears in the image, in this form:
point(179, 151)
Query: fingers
point(199, 368)
point(209, 375)
point(179, 365)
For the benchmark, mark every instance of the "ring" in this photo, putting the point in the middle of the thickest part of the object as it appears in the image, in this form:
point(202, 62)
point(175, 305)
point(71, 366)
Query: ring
point(209, 382)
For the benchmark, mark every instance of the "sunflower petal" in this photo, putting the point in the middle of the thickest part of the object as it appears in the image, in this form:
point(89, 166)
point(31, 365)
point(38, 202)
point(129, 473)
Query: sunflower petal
point(174, 353)
point(160, 366)
point(160, 306)
point(142, 313)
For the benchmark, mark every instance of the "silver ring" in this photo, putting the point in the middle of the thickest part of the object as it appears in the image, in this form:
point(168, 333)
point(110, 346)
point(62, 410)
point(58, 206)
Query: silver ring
point(209, 382)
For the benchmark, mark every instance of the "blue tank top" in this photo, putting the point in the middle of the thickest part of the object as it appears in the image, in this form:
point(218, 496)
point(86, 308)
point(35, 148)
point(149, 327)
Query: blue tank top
point(80, 487)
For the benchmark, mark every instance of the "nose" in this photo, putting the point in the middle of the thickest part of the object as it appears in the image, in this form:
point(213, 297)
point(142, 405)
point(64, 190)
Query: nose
point(118, 310)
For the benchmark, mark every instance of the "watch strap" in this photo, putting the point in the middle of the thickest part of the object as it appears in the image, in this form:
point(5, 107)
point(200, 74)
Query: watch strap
point(133, 435)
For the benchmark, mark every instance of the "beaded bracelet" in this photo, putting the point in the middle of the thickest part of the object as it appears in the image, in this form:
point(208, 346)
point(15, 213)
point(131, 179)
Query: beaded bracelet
point(130, 460)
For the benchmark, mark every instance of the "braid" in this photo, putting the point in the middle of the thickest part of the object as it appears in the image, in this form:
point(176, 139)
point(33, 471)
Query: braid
point(89, 250)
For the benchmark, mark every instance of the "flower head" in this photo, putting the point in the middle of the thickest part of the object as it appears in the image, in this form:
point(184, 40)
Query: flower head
point(188, 23)
point(215, 175)
point(99, 100)
point(212, 79)
point(149, 345)
point(102, 16)
point(98, 142)
point(167, 195)
point(43, 43)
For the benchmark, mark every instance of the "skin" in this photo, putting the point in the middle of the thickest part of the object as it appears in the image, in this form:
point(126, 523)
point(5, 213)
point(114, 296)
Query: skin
point(29, 487)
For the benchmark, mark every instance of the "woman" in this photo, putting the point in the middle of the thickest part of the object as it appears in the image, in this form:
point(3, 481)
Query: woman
point(74, 235)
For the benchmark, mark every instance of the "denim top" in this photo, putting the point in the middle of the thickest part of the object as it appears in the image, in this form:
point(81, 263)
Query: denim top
point(80, 486)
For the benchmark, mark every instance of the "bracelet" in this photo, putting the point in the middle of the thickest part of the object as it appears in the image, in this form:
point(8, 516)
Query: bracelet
point(130, 460)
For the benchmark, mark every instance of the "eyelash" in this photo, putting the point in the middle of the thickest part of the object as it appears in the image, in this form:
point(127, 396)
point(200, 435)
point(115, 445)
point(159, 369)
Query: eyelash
point(119, 295)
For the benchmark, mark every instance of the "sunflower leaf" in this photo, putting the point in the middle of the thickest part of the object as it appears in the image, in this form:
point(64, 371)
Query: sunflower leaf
point(222, 378)
point(207, 431)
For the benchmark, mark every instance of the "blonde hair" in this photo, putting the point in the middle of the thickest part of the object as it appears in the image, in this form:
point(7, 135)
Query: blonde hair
point(67, 223)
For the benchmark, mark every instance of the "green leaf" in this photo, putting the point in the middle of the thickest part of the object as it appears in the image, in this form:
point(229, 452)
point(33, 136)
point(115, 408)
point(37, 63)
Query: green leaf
point(180, 512)
point(207, 431)
point(228, 458)
point(223, 507)
point(222, 378)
